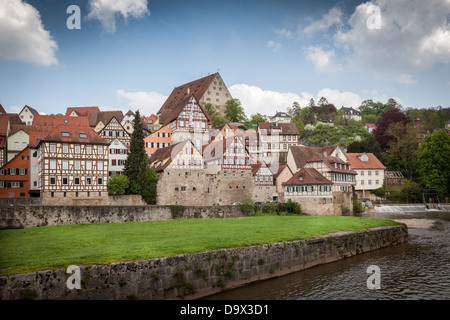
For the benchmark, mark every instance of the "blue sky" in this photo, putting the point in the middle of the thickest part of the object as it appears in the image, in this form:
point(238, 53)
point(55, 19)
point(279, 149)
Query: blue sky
point(130, 54)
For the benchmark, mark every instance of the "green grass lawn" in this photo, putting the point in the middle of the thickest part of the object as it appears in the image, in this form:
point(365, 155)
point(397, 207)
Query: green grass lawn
point(25, 250)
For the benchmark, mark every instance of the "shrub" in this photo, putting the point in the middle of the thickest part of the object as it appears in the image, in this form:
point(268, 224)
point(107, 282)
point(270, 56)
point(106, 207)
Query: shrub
point(118, 184)
point(247, 206)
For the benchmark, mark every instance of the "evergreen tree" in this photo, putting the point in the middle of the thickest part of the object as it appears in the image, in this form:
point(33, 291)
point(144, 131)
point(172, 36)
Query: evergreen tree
point(137, 161)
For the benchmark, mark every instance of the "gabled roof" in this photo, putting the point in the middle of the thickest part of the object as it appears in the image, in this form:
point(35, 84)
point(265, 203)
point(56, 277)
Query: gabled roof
point(307, 176)
point(197, 88)
point(82, 111)
point(302, 154)
point(92, 137)
point(216, 150)
point(164, 156)
point(129, 113)
point(277, 169)
point(371, 125)
point(356, 163)
point(104, 116)
point(2, 110)
point(170, 114)
point(281, 115)
point(33, 111)
point(330, 162)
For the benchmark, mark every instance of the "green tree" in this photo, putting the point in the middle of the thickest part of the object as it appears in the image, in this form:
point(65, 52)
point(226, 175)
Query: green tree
point(234, 111)
point(137, 161)
point(149, 190)
point(118, 184)
point(254, 119)
point(404, 145)
point(216, 118)
point(433, 158)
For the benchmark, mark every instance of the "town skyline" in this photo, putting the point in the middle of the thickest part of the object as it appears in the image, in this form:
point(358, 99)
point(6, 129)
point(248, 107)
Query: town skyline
point(269, 54)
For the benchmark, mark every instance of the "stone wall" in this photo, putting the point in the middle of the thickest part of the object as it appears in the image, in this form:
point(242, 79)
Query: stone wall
point(197, 275)
point(27, 216)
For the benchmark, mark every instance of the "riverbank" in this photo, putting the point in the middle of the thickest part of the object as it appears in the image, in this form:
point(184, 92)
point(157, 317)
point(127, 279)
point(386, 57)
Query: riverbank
point(200, 274)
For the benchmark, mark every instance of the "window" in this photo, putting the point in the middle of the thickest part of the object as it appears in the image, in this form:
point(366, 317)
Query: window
point(65, 181)
point(16, 145)
point(82, 135)
point(52, 148)
point(370, 181)
point(362, 173)
point(2, 184)
point(76, 181)
point(183, 188)
point(88, 165)
point(100, 165)
point(65, 148)
point(77, 149)
point(65, 164)
point(77, 164)
point(100, 150)
point(376, 172)
point(65, 134)
point(22, 171)
point(100, 181)
point(25, 157)
point(362, 182)
point(88, 149)
point(377, 181)
point(88, 181)
point(52, 164)
point(369, 173)
point(52, 180)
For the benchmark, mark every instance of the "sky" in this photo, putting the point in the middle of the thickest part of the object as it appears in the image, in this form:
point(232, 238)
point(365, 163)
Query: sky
point(130, 54)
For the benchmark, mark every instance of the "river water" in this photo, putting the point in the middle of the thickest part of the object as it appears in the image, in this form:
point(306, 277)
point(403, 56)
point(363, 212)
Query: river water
point(418, 269)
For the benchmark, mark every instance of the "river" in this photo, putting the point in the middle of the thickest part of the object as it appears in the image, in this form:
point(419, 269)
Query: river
point(418, 269)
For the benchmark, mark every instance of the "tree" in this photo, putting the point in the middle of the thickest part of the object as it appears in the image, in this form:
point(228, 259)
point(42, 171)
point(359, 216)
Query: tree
point(323, 102)
point(118, 184)
point(295, 110)
point(234, 111)
point(433, 159)
point(311, 103)
point(404, 144)
point(388, 117)
point(254, 119)
point(137, 161)
point(216, 119)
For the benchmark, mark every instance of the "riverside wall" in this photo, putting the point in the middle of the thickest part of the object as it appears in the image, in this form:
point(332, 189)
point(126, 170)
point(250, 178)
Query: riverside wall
point(197, 275)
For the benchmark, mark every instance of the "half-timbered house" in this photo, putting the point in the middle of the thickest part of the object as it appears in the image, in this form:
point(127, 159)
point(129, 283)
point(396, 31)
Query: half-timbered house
point(114, 130)
point(73, 162)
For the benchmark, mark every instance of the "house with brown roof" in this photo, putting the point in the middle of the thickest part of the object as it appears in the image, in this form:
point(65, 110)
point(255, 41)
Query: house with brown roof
point(311, 190)
point(281, 173)
point(114, 130)
point(371, 173)
point(281, 117)
point(298, 155)
point(81, 111)
point(27, 115)
point(210, 89)
point(73, 164)
point(98, 120)
point(265, 189)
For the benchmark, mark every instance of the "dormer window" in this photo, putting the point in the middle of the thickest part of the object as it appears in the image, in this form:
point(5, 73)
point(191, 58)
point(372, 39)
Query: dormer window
point(83, 135)
point(65, 134)
point(364, 157)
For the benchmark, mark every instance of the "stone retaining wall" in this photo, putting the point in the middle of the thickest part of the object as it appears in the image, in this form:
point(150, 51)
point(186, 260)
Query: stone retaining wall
point(197, 275)
point(20, 216)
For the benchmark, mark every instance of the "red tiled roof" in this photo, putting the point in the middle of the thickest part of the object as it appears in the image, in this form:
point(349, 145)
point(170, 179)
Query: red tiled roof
point(371, 125)
point(307, 176)
point(286, 128)
point(330, 162)
point(2, 110)
point(356, 163)
point(4, 121)
point(82, 111)
point(197, 88)
point(53, 121)
point(92, 137)
point(170, 114)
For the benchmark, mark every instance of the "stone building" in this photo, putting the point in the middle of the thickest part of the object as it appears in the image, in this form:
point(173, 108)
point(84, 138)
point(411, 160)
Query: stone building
point(210, 89)
point(265, 188)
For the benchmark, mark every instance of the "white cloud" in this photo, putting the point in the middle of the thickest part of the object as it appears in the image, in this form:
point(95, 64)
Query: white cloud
point(274, 45)
point(405, 78)
point(106, 11)
point(22, 34)
point(332, 17)
point(285, 33)
point(147, 102)
point(14, 109)
point(413, 34)
point(323, 60)
point(267, 102)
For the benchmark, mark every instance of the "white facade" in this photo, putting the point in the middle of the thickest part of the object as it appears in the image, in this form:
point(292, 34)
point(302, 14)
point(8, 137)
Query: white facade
point(118, 154)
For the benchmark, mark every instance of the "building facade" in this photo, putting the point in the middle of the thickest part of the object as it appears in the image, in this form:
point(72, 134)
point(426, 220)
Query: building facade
point(73, 163)
point(14, 176)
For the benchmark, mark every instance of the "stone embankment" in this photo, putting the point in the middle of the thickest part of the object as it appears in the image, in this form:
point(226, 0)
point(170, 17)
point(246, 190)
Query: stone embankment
point(197, 275)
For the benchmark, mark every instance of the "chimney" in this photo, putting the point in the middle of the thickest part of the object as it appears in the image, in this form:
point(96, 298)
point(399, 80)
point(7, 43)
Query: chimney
point(188, 90)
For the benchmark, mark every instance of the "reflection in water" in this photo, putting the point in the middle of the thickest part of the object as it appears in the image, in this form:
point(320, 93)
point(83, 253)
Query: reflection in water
point(418, 269)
